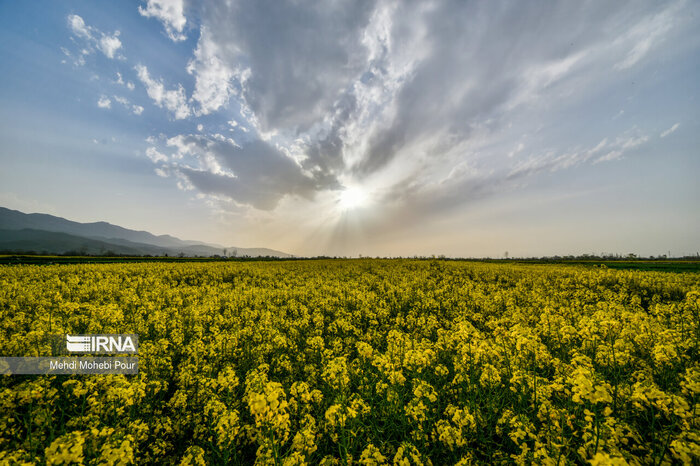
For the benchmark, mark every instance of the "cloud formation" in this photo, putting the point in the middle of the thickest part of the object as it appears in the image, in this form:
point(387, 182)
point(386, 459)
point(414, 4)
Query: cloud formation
point(406, 98)
point(670, 130)
point(171, 13)
point(135, 109)
point(173, 100)
point(93, 38)
point(110, 44)
point(104, 102)
point(213, 77)
point(255, 173)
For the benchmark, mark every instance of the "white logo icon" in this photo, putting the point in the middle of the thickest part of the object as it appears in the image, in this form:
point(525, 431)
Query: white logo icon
point(100, 344)
point(78, 344)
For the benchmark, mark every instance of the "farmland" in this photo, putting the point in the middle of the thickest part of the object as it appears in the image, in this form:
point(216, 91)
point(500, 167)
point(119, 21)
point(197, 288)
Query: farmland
point(358, 361)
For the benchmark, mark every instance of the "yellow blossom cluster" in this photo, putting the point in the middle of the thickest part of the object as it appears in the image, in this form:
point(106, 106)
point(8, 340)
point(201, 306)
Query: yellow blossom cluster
point(338, 362)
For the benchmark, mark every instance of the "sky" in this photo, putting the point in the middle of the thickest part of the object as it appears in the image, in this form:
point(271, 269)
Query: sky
point(376, 128)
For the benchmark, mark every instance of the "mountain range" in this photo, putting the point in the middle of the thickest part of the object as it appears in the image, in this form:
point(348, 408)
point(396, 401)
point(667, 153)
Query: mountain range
point(47, 234)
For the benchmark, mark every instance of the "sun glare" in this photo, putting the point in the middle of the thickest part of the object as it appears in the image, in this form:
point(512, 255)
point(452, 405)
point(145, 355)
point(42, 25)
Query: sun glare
point(352, 198)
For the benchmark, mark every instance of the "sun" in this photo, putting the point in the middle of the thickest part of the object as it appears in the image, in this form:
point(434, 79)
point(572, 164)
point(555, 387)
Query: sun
point(352, 198)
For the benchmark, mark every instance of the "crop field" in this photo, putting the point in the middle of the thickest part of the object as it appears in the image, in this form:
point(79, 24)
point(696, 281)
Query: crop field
point(367, 361)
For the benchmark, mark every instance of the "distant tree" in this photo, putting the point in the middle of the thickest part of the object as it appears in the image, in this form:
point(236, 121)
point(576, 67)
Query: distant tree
point(505, 255)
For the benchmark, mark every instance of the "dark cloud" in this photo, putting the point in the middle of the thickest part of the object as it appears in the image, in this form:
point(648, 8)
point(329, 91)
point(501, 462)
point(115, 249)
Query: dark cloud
point(257, 173)
point(486, 58)
point(325, 154)
point(301, 54)
point(365, 84)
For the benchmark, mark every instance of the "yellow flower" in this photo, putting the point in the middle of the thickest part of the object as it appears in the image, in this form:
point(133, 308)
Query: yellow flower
point(604, 459)
point(66, 449)
point(194, 456)
point(371, 456)
point(489, 376)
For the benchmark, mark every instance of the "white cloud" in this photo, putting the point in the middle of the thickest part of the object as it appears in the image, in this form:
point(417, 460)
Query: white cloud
point(612, 155)
point(170, 13)
point(79, 28)
point(135, 109)
point(540, 76)
point(553, 161)
point(122, 100)
point(78, 59)
point(162, 173)
point(601, 145)
point(94, 39)
point(622, 144)
point(213, 77)
point(110, 44)
point(517, 150)
point(120, 80)
point(173, 100)
point(104, 102)
point(184, 147)
point(632, 141)
point(647, 34)
point(670, 130)
point(153, 154)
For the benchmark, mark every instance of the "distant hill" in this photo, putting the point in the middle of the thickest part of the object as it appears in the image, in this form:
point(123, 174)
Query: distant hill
point(39, 233)
point(52, 242)
point(16, 220)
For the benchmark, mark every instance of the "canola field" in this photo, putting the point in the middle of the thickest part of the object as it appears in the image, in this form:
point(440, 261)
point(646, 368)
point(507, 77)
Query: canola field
point(367, 362)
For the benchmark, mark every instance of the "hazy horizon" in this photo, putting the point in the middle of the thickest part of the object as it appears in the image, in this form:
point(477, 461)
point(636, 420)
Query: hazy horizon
point(464, 129)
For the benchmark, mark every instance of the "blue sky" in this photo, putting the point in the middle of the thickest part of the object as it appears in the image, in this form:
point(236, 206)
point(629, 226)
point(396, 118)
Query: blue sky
point(372, 127)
